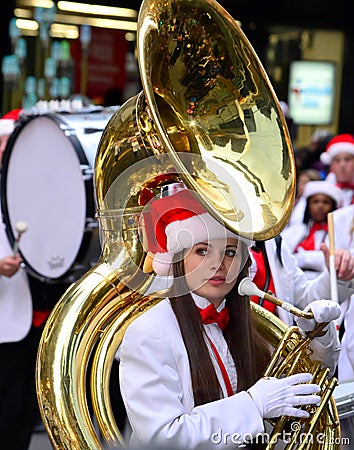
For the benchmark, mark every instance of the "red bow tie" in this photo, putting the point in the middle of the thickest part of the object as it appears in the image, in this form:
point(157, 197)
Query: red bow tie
point(211, 315)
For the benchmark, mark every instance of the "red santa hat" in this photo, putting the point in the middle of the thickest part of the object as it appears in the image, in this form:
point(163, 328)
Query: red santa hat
point(342, 143)
point(323, 187)
point(7, 122)
point(179, 222)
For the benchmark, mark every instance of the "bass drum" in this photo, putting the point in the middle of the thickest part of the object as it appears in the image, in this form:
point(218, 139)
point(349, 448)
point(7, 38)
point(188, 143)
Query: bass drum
point(47, 182)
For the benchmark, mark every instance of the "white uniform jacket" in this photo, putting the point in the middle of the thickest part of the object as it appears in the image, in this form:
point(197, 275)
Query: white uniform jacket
point(15, 300)
point(311, 261)
point(157, 390)
point(343, 219)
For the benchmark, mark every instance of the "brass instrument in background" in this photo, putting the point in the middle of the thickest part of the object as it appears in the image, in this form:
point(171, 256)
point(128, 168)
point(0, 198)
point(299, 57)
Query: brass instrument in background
point(208, 117)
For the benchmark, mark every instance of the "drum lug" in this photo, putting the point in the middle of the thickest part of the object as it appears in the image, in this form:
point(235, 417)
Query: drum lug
point(87, 172)
point(91, 223)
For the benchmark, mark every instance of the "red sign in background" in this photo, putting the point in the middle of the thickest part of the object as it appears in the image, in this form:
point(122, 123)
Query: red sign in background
point(105, 62)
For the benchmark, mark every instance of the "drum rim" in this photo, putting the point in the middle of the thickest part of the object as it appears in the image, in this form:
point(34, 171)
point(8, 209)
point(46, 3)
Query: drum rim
point(70, 133)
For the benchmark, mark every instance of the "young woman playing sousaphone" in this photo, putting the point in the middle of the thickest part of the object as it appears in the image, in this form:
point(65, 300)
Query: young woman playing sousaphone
point(191, 366)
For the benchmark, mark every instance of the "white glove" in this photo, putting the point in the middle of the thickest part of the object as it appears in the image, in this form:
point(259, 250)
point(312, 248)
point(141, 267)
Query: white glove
point(278, 397)
point(323, 311)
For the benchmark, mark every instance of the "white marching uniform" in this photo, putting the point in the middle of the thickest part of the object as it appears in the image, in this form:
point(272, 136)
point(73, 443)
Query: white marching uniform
point(312, 262)
point(15, 300)
point(343, 220)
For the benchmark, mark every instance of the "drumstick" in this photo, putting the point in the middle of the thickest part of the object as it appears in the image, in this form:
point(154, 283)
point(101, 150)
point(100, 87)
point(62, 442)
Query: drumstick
point(21, 227)
point(332, 267)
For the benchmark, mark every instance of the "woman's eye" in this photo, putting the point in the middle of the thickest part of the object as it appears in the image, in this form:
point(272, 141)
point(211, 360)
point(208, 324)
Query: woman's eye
point(202, 251)
point(230, 253)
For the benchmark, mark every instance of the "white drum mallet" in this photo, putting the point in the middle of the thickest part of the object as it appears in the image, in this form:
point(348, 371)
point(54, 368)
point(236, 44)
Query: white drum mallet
point(21, 227)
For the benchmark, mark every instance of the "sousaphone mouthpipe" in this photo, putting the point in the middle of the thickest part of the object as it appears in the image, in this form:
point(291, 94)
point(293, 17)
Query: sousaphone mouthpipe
point(247, 287)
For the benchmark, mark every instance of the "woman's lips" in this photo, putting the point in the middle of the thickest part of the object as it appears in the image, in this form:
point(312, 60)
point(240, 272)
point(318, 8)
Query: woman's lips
point(217, 281)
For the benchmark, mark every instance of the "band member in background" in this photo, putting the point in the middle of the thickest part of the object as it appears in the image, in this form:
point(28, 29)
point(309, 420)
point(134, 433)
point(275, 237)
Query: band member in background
point(339, 156)
point(18, 339)
point(304, 239)
point(25, 304)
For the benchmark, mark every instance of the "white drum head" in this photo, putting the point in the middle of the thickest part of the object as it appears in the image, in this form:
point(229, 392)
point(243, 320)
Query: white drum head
point(45, 188)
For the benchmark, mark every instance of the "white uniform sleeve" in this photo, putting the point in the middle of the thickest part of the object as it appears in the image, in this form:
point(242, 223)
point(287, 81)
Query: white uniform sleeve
point(326, 348)
point(155, 387)
point(310, 260)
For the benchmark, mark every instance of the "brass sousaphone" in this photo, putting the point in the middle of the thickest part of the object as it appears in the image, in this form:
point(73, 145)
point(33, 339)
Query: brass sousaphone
point(207, 117)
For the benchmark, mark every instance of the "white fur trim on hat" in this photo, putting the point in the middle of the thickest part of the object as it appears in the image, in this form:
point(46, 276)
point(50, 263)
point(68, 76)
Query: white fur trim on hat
point(6, 126)
point(182, 234)
point(335, 149)
point(323, 187)
point(162, 263)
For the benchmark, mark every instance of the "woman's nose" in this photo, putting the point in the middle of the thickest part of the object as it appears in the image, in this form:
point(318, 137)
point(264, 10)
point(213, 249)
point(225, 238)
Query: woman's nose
point(217, 261)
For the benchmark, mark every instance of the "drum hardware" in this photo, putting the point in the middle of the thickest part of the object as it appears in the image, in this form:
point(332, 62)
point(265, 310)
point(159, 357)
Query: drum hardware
point(91, 223)
point(346, 407)
point(92, 130)
point(87, 172)
point(70, 132)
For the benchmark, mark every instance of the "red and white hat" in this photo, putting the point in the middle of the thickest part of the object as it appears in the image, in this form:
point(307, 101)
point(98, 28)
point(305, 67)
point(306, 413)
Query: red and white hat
point(7, 122)
point(179, 222)
point(342, 143)
point(323, 187)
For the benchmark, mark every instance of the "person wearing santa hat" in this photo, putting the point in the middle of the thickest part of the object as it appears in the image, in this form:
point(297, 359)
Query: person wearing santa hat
point(17, 389)
point(16, 424)
point(191, 366)
point(304, 239)
point(339, 156)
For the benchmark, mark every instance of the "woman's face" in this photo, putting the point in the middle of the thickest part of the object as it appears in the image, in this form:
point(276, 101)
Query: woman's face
point(212, 268)
point(319, 206)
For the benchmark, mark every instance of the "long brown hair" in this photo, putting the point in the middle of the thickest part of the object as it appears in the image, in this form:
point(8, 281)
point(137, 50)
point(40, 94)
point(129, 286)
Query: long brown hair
point(249, 350)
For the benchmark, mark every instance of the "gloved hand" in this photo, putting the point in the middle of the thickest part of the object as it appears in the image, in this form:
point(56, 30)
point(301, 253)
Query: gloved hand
point(278, 397)
point(323, 311)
